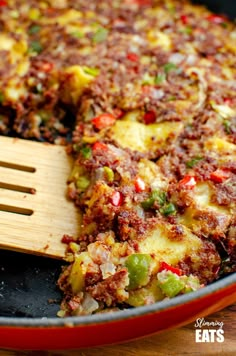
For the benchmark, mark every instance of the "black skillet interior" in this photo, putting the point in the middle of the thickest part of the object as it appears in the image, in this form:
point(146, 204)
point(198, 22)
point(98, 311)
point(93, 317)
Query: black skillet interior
point(28, 283)
point(227, 7)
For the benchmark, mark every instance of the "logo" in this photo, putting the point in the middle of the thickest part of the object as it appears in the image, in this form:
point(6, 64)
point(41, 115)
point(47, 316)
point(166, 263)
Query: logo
point(209, 331)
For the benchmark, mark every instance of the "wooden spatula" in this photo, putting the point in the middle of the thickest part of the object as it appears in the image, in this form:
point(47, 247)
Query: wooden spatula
point(34, 209)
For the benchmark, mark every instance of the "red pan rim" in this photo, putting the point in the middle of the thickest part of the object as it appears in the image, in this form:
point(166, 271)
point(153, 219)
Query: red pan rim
point(222, 284)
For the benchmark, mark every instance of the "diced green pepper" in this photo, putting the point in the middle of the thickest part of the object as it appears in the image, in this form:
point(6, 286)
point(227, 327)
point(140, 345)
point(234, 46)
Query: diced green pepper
point(34, 29)
point(138, 267)
point(151, 292)
point(160, 78)
point(168, 67)
point(148, 203)
point(171, 98)
point(35, 46)
point(86, 152)
point(170, 283)
point(187, 30)
point(168, 209)
point(109, 174)
point(193, 161)
point(191, 283)
point(156, 195)
point(77, 34)
point(100, 35)
point(82, 183)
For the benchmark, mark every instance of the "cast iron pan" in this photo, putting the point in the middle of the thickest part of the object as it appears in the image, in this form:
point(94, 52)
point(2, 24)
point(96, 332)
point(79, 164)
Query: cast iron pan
point(28, 283)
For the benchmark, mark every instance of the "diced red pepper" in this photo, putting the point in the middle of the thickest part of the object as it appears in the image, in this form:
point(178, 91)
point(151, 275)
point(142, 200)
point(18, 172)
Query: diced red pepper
point(139, 185)
point(184, 19)
point(50, 10)
point(217, 19)
point(166, 267)
point(66, 239)
point(219, 175)
point(228, 101)
point(149, 117)
point(47, 67)
point(99, 146)
point(139, 2)
point(146, 89)
point(3, 3)
point(102, 121)
point(133, 57)
point(118, 113)
point(188, 182)
point(116, 199)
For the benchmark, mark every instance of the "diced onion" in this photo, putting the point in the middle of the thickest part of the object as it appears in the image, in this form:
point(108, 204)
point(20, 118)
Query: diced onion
point(89, 304)
point(157, 93)
point(176, 58)
point(107, 269)
point(98, 252)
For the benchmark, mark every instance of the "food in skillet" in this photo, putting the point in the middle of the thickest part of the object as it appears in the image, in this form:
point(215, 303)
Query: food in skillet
point(149, 89)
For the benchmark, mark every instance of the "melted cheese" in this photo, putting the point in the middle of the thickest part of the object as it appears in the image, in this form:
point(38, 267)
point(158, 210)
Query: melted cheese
point(144, 138)
point(193, 216)
point(159, 243)
point(220, 148)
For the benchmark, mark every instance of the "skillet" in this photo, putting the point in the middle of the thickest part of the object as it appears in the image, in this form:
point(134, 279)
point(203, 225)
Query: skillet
point(29, 298)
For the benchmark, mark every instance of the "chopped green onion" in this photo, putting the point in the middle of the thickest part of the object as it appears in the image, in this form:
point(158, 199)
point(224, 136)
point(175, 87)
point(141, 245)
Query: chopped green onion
point(193, 161)
point(168, 209)
point(100, 35)
point(160, 78)
point(168, 67)
point(35, 46)
point(92, 71)
point(34, 29)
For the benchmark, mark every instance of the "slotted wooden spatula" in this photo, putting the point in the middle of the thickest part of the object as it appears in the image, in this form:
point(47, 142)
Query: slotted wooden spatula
point(34, 209)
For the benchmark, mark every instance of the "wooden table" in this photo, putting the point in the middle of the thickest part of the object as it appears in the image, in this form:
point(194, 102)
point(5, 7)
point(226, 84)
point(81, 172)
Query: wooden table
point(175, 342)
